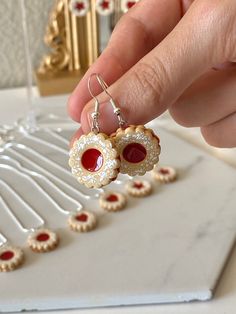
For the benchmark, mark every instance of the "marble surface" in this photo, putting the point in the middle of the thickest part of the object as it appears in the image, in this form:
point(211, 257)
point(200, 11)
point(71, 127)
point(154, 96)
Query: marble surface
point(225, 297)
point(168, 247)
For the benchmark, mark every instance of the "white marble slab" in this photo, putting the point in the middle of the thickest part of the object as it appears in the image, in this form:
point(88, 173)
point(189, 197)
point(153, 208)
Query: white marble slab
point(169, 247)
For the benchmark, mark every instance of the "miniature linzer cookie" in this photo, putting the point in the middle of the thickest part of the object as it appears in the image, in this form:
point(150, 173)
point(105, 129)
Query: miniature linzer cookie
point(10, 258)
point(139, 149)
point(43, 240)
point(82, 221)
point(164, 174)
point(112, 201)
point(138, 188)
point(94, 160)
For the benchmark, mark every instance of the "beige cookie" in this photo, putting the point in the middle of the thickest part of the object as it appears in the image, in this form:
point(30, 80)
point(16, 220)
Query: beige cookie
point(43, 240)
point(138, 148)
point(10, 258)
point(94, 160)
point(138, 188)
point(164, 174)
point(112, 201)
point(82, 221)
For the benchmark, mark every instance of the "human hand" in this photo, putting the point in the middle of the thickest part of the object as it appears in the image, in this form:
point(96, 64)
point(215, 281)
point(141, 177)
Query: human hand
point(171, 54)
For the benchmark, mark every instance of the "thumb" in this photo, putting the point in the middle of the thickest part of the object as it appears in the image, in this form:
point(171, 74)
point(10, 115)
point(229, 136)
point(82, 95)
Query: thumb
point(157, 80)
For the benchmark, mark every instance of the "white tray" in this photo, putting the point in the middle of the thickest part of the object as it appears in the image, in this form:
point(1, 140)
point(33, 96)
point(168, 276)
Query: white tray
point(168, 247)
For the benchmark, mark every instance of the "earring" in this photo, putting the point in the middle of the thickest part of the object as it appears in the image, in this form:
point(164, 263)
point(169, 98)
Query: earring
point(105, 7)
point(138, 148)
point(127, 4)
point(94, 159)
point(79, 7)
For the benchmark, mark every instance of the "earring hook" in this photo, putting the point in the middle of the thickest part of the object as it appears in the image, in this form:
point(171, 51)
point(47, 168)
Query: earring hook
point(95, 114)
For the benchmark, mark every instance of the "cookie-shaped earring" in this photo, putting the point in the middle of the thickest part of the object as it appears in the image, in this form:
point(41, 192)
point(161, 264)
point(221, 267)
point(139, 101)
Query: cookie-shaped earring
point(105, 7)
point(82, 221)
point(164, 174)
point(43, 240)
point(79, 7)
point(112, 201)
point(94, 159)
point(139, 149)
point(127, 4)
point(138, 188)
point(10, 258)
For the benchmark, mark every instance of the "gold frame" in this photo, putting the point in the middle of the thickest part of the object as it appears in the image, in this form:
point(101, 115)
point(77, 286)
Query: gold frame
point(74, 44)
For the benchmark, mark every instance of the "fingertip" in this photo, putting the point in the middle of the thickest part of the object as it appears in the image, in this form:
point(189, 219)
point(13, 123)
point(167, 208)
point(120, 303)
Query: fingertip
point(76, 136)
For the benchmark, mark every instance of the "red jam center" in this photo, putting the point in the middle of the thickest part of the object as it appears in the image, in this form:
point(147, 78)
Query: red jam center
point(92, 160)
point(138, 185)
point(42, 237)
point(112, 198)
point(105, 4)
point(164, 171)
point(7, 255)
point(79, 6)
point(130, 4)
point(82, 217)
point(134, 153)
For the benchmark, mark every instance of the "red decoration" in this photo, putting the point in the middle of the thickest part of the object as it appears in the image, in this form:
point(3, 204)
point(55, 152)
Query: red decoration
point(164, 171)
point(82, 217)
point(42, 237)
point(112, 198)
point(134, 153)
point(7, 255)
point(92, 159)
point(79, 6)
point(105, 5)
point(130, 4)
point(138, 185)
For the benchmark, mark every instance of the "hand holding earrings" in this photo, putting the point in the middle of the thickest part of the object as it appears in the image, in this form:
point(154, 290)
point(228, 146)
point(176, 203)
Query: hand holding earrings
point(96, 159)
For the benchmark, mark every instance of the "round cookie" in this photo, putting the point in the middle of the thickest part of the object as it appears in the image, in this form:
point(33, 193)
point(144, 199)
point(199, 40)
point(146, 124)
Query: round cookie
point(138, 188)
point(164, 174)
point(112, 201)
point(10, 258)
point(43, 240)
point(94, 160)
point(82, 221)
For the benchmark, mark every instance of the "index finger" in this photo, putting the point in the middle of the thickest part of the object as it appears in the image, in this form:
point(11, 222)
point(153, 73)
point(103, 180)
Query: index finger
point(137, 33)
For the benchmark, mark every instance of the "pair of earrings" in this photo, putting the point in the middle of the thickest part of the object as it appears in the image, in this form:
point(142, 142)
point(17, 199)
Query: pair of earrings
point(96, 159)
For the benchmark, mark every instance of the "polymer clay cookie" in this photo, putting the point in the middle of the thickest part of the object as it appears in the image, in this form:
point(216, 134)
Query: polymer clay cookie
point(127, 4)
point(112, 201)
point(79, 7)
point(139, 149)
point(43, 240)
point(105, 7)
point(10, 258)
point(164, 174)
point(138, 188)
point(94, 161)
point(82, 221)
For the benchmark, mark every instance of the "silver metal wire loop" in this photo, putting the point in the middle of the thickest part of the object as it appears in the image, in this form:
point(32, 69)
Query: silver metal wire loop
point(95, 114)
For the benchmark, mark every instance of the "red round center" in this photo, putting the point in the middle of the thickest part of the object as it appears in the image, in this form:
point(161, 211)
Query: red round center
point(164, 171)
point(79, 6)
point(82, 217)
point(7, 255)
point(130, 4)
point(105, 4)
point(42, 237)
point(92, 160)
point(138, 185)
point(134, 153)
point(112, 198)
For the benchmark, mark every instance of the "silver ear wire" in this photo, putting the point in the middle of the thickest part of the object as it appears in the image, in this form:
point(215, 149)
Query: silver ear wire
point(95, 114)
